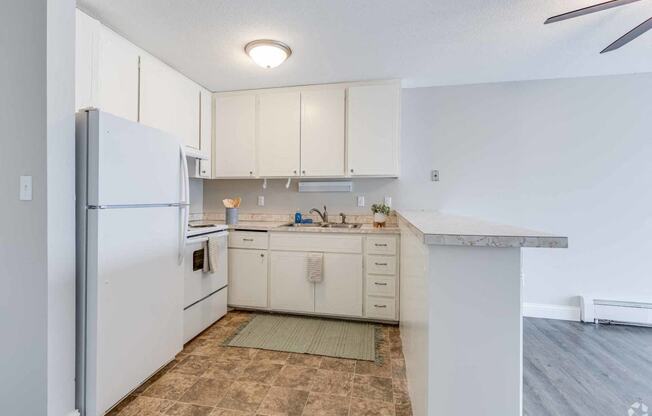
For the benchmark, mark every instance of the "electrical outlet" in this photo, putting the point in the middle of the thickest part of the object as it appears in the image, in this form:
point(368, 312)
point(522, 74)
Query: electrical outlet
point(361, 200)
point(388, 201)
point(261, 201)
point(434, 176)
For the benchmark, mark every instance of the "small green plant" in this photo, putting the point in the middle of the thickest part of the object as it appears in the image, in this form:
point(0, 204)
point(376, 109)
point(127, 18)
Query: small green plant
point(380, 209)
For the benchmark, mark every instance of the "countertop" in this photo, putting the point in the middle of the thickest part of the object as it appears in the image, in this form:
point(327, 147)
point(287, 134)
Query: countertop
point(443, 229)
point(275, 226)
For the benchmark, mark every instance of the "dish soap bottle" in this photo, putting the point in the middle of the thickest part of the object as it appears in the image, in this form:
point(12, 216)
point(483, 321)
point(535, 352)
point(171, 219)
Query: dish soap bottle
point(297, 217)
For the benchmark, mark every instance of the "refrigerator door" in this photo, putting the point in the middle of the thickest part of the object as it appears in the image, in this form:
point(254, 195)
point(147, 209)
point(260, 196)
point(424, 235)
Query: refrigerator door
point(134, 300)
point(132, 164)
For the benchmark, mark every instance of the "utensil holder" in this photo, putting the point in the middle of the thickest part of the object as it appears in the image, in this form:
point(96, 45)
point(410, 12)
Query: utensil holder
point(231, 215)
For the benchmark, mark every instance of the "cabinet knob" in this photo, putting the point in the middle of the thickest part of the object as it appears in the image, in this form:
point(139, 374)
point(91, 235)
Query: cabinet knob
point(262, 255)
point(251, 172)
point(303, 171)
point(351, 170)
point(295, 171)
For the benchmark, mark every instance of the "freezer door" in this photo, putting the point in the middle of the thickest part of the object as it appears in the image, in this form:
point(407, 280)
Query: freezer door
point(135, 300)
point(131, 164)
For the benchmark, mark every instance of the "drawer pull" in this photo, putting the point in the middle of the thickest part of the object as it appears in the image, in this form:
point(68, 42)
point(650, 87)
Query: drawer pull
point(380, 245)
point(247, 239)
point(380, 284)
point(380, 264)
point(380, 306)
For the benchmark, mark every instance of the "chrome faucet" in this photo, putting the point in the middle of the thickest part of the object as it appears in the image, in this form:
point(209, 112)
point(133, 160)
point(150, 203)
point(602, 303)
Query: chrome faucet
point(324, 216)
point(343, 215)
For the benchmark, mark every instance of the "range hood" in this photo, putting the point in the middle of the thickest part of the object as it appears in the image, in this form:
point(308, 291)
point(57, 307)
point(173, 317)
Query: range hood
point(196, 154)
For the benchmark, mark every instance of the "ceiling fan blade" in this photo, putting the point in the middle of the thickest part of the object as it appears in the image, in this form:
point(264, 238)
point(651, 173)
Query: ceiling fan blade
point(630, 36)
point(587, 10)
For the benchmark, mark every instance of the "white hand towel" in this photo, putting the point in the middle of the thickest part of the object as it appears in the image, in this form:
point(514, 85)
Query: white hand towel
point(315, 264)
point(210, 261)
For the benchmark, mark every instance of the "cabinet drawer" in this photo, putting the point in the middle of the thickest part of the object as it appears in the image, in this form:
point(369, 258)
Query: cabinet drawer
point(381, 286)
point(322, 242)
point(381, 245)
point(381, 308)
point(381, 265)
point(245, 239)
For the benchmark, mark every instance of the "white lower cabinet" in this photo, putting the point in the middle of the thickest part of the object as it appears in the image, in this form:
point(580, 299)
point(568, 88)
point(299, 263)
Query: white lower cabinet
point(354, 284)
point(290, 289)
point(340, 292)
point(248, 278)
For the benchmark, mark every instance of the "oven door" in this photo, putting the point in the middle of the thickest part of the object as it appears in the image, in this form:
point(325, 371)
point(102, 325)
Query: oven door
point(197, 283)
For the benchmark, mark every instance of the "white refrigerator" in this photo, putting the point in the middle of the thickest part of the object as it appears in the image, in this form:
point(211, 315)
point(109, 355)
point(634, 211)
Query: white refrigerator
point(132, 208)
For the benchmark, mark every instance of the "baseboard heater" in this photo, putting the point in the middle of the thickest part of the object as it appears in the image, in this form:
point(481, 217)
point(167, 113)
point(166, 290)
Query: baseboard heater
point(596, 309)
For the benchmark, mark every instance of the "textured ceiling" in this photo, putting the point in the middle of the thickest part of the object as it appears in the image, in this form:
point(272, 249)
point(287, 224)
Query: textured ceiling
point(437, 42)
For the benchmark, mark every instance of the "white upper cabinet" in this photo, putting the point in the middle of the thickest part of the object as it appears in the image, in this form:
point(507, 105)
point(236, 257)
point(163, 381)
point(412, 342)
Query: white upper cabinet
point(206, 132)
point(278, 134)
point(169, 101)
point(235, 136)
point(373, 129)
point(322, 132)
point(118, 75)
point(87, 38)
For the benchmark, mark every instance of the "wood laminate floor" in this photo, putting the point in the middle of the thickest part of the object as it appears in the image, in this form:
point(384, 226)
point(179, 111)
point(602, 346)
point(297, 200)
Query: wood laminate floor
point(570, 368)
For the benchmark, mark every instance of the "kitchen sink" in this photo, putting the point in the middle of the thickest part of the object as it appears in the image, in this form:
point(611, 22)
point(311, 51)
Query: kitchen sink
point(322, 225)
point(339, 225)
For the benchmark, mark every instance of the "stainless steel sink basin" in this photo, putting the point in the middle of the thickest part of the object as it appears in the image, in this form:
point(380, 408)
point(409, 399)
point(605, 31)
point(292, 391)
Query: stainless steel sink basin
point(345, 226)
point(322, 225)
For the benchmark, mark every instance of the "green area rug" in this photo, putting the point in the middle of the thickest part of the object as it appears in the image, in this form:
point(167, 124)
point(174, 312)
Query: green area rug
point(333, 338)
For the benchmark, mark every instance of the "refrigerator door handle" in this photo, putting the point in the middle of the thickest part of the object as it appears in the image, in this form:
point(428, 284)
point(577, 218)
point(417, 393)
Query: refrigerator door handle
point(185, 201)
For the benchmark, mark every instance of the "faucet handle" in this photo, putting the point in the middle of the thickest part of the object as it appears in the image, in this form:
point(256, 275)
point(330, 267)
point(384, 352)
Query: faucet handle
point(343, 217)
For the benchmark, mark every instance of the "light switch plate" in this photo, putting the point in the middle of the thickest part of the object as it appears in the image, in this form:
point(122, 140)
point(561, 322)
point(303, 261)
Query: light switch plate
point(388, 201)
point(361, 200)
point(25, 188)
point(261, 201)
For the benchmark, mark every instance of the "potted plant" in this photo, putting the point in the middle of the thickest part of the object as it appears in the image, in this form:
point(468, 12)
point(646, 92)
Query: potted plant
point(381, 211)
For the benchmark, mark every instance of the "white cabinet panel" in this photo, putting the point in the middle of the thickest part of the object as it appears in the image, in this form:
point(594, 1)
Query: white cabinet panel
point(248, 277)
point(235, 136)
point(373, 130)
point(169, 101)
point(278, 134)
point(87, 42)
point(322, 132)
point(118, 75)
point(340, 292)
point(206, 132)
point(290, 289)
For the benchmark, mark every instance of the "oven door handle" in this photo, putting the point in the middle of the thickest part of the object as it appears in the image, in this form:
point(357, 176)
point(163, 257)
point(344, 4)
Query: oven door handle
point(196, 240)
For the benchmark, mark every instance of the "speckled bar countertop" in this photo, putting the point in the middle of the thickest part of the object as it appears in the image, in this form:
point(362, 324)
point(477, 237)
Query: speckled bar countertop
point(451, 230)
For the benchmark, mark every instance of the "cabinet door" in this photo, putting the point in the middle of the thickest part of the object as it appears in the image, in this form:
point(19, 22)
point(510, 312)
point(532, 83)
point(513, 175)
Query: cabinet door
point(118, 75)
point(206, 132)
point(169, 101)
point(373, 130)
point(340, 292)
point(322, 132)
point(235, 136)
point(278, 142)
point(87, 42)
point(290, 289)
point(248, 278)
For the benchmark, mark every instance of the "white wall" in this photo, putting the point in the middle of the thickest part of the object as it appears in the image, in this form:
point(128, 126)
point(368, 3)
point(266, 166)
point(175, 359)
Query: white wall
point(37, 237)
point(61, 205)
point(569, 156)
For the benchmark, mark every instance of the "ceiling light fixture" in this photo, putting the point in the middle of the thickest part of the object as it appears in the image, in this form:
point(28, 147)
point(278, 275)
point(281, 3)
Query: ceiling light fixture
point(268, 53)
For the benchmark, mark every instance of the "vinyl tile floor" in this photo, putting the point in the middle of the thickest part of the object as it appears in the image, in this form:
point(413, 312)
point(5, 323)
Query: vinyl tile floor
point(207, 378)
